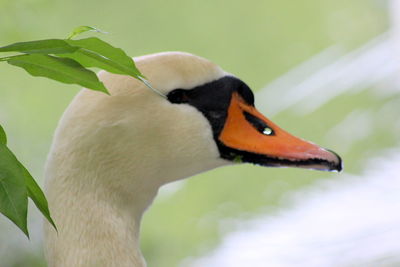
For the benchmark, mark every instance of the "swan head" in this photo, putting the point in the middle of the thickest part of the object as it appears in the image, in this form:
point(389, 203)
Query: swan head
point(207, 119)
point(111, 153)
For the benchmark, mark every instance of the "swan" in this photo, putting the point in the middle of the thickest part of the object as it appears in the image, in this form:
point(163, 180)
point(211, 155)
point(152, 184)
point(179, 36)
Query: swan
point(111, 154)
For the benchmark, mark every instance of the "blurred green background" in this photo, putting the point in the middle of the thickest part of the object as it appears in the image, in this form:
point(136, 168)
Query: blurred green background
point(256, 40)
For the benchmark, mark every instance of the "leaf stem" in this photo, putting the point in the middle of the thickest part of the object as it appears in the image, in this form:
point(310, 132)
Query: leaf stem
point(146, 82)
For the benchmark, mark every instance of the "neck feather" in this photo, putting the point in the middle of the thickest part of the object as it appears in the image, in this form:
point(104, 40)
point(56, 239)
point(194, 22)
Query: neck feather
point(108, 159)
point(98, 222)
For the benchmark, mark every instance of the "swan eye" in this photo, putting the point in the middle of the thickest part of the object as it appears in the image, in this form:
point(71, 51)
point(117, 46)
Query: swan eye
point(178, 96)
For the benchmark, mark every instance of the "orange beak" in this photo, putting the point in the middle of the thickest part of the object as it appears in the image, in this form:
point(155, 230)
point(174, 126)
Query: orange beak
point(249, 135)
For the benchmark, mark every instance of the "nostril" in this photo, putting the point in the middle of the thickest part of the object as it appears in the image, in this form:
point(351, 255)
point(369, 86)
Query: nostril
point(259, 124)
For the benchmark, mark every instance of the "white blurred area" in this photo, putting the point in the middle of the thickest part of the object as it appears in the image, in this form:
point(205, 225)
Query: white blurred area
point(350, 221)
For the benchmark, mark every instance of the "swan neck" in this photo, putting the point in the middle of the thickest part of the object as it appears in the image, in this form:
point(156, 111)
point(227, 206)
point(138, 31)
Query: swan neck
point(98, 225)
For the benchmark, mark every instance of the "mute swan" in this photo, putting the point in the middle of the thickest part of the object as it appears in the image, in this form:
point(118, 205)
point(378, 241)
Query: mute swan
point(110, 154)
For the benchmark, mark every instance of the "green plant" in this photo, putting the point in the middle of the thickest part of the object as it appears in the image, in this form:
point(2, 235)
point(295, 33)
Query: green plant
point(67, 61)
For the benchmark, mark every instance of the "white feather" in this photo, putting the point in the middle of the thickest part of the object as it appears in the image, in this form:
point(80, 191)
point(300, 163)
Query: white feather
point(110, 155)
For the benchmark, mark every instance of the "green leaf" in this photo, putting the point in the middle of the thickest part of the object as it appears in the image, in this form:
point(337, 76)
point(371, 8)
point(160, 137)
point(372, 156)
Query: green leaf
point(37, 195)
point(3, 136)
point(82, 54)
point(49, 46)
point(82, 29)
point(60, 69)
point(13, 193)
point(94, 52)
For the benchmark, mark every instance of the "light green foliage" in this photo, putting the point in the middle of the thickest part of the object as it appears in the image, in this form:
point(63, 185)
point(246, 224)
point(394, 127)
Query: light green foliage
point(66, 60)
